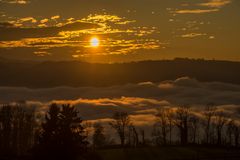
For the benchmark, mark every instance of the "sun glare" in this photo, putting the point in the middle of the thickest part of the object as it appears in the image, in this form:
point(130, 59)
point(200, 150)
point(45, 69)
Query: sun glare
point(94, 42)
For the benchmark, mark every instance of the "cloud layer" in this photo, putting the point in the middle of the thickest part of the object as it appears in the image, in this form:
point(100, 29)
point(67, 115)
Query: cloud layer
point(147, 97)
point(142, 101)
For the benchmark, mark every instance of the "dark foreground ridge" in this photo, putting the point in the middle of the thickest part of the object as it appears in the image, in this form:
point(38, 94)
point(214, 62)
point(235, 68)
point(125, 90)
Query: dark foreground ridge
point(79, 74)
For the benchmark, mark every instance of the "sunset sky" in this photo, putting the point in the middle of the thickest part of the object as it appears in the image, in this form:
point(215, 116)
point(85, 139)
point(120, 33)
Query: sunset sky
point(117, 31)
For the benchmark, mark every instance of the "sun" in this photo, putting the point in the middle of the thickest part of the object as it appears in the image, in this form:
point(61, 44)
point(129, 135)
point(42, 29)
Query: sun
point(94, 42)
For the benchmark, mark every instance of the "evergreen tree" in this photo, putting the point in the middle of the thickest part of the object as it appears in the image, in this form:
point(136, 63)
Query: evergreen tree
point(63, 135)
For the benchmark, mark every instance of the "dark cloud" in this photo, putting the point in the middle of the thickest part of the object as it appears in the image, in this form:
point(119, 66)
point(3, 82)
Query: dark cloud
point(16, 33)
point(5, 25)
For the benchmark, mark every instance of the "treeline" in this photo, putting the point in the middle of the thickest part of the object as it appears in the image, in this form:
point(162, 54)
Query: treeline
point(17, 129)
point(26, 134)
point(177, 126)
point(62, 134)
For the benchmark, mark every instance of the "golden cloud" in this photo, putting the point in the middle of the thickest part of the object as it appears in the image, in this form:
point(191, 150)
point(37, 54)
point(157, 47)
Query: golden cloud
point(216, 3)
point(196, 11)
point(55, 17)
point(193, 35)
point(115, 37)
point(44, 20)
point(15, 1)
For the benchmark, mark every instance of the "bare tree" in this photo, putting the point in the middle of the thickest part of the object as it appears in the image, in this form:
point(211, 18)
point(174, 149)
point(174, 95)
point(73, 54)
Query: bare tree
point(120, 123)
point(208, 115)
point(194, 124)
point(156, 134)
point(17, 127)
point(133, 139)
point(182, 123)
point(170, 122)
point(6, 118)
point(163, 124)
point(236, 133)
point(230, 130)
point(142, 132)
point(99, 139)
point(221, 120)
point(87, 125)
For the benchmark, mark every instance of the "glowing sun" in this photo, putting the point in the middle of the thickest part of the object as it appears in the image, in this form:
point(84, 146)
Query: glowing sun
point(94, 42)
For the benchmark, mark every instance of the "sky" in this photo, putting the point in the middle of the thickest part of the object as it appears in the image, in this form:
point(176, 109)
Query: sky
point(126, 30)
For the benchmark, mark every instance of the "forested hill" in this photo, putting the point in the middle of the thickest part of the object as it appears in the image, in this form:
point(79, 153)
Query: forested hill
point(77, 74)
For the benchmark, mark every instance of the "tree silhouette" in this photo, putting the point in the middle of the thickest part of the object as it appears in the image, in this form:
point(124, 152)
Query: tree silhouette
point(51, 126)
point(6, 117)
point(230, 131)
point(163, 124)
point(221, 120)
point(208, 115)
point(99, 139)
point(120, 123)
point(17, 126)
point(182, 123)
point(63, 135)
point(194, 128)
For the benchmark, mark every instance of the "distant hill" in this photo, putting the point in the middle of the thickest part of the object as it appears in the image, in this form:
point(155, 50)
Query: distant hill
point(76, 74)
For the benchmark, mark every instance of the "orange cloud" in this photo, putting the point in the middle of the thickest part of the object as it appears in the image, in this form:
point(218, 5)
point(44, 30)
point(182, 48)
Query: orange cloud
point(216, 3)
point(196, 11)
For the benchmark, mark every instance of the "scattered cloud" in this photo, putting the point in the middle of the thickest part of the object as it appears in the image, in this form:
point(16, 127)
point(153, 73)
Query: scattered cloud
point(196, 11)
point(44, 20)
point(216, 3)
point(55, 17)
point(210, 6)
point(116, 35)
point(41, 53)
point(15, 1)
point(193, 35)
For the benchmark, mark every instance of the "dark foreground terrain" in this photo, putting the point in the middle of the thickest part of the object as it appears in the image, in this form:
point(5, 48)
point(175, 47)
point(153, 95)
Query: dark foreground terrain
point(170, 153)
point(159, 153)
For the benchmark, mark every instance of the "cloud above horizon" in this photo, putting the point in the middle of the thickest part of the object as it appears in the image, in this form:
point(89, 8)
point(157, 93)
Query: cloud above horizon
point(142, 101)
point(180, 91)
point(21, 2)
point(127, 30)
point(47, 33)
point(211, 6)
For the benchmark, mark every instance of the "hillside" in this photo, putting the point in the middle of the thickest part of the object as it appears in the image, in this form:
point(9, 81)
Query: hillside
point(78, 74)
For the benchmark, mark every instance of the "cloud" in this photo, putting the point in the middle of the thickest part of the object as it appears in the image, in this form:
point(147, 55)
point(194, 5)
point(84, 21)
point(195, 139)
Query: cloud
point(41, 53)
point(142, 101)
point(15, 1)
point(210, 6)
point(55, 17)
point(47, 33)
point(195, 11)
point(45, 20)
point(26, 19)
point(216, 3)
point(18, 33)
point(6, 25)
point(180, 91)
point(193, 35)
